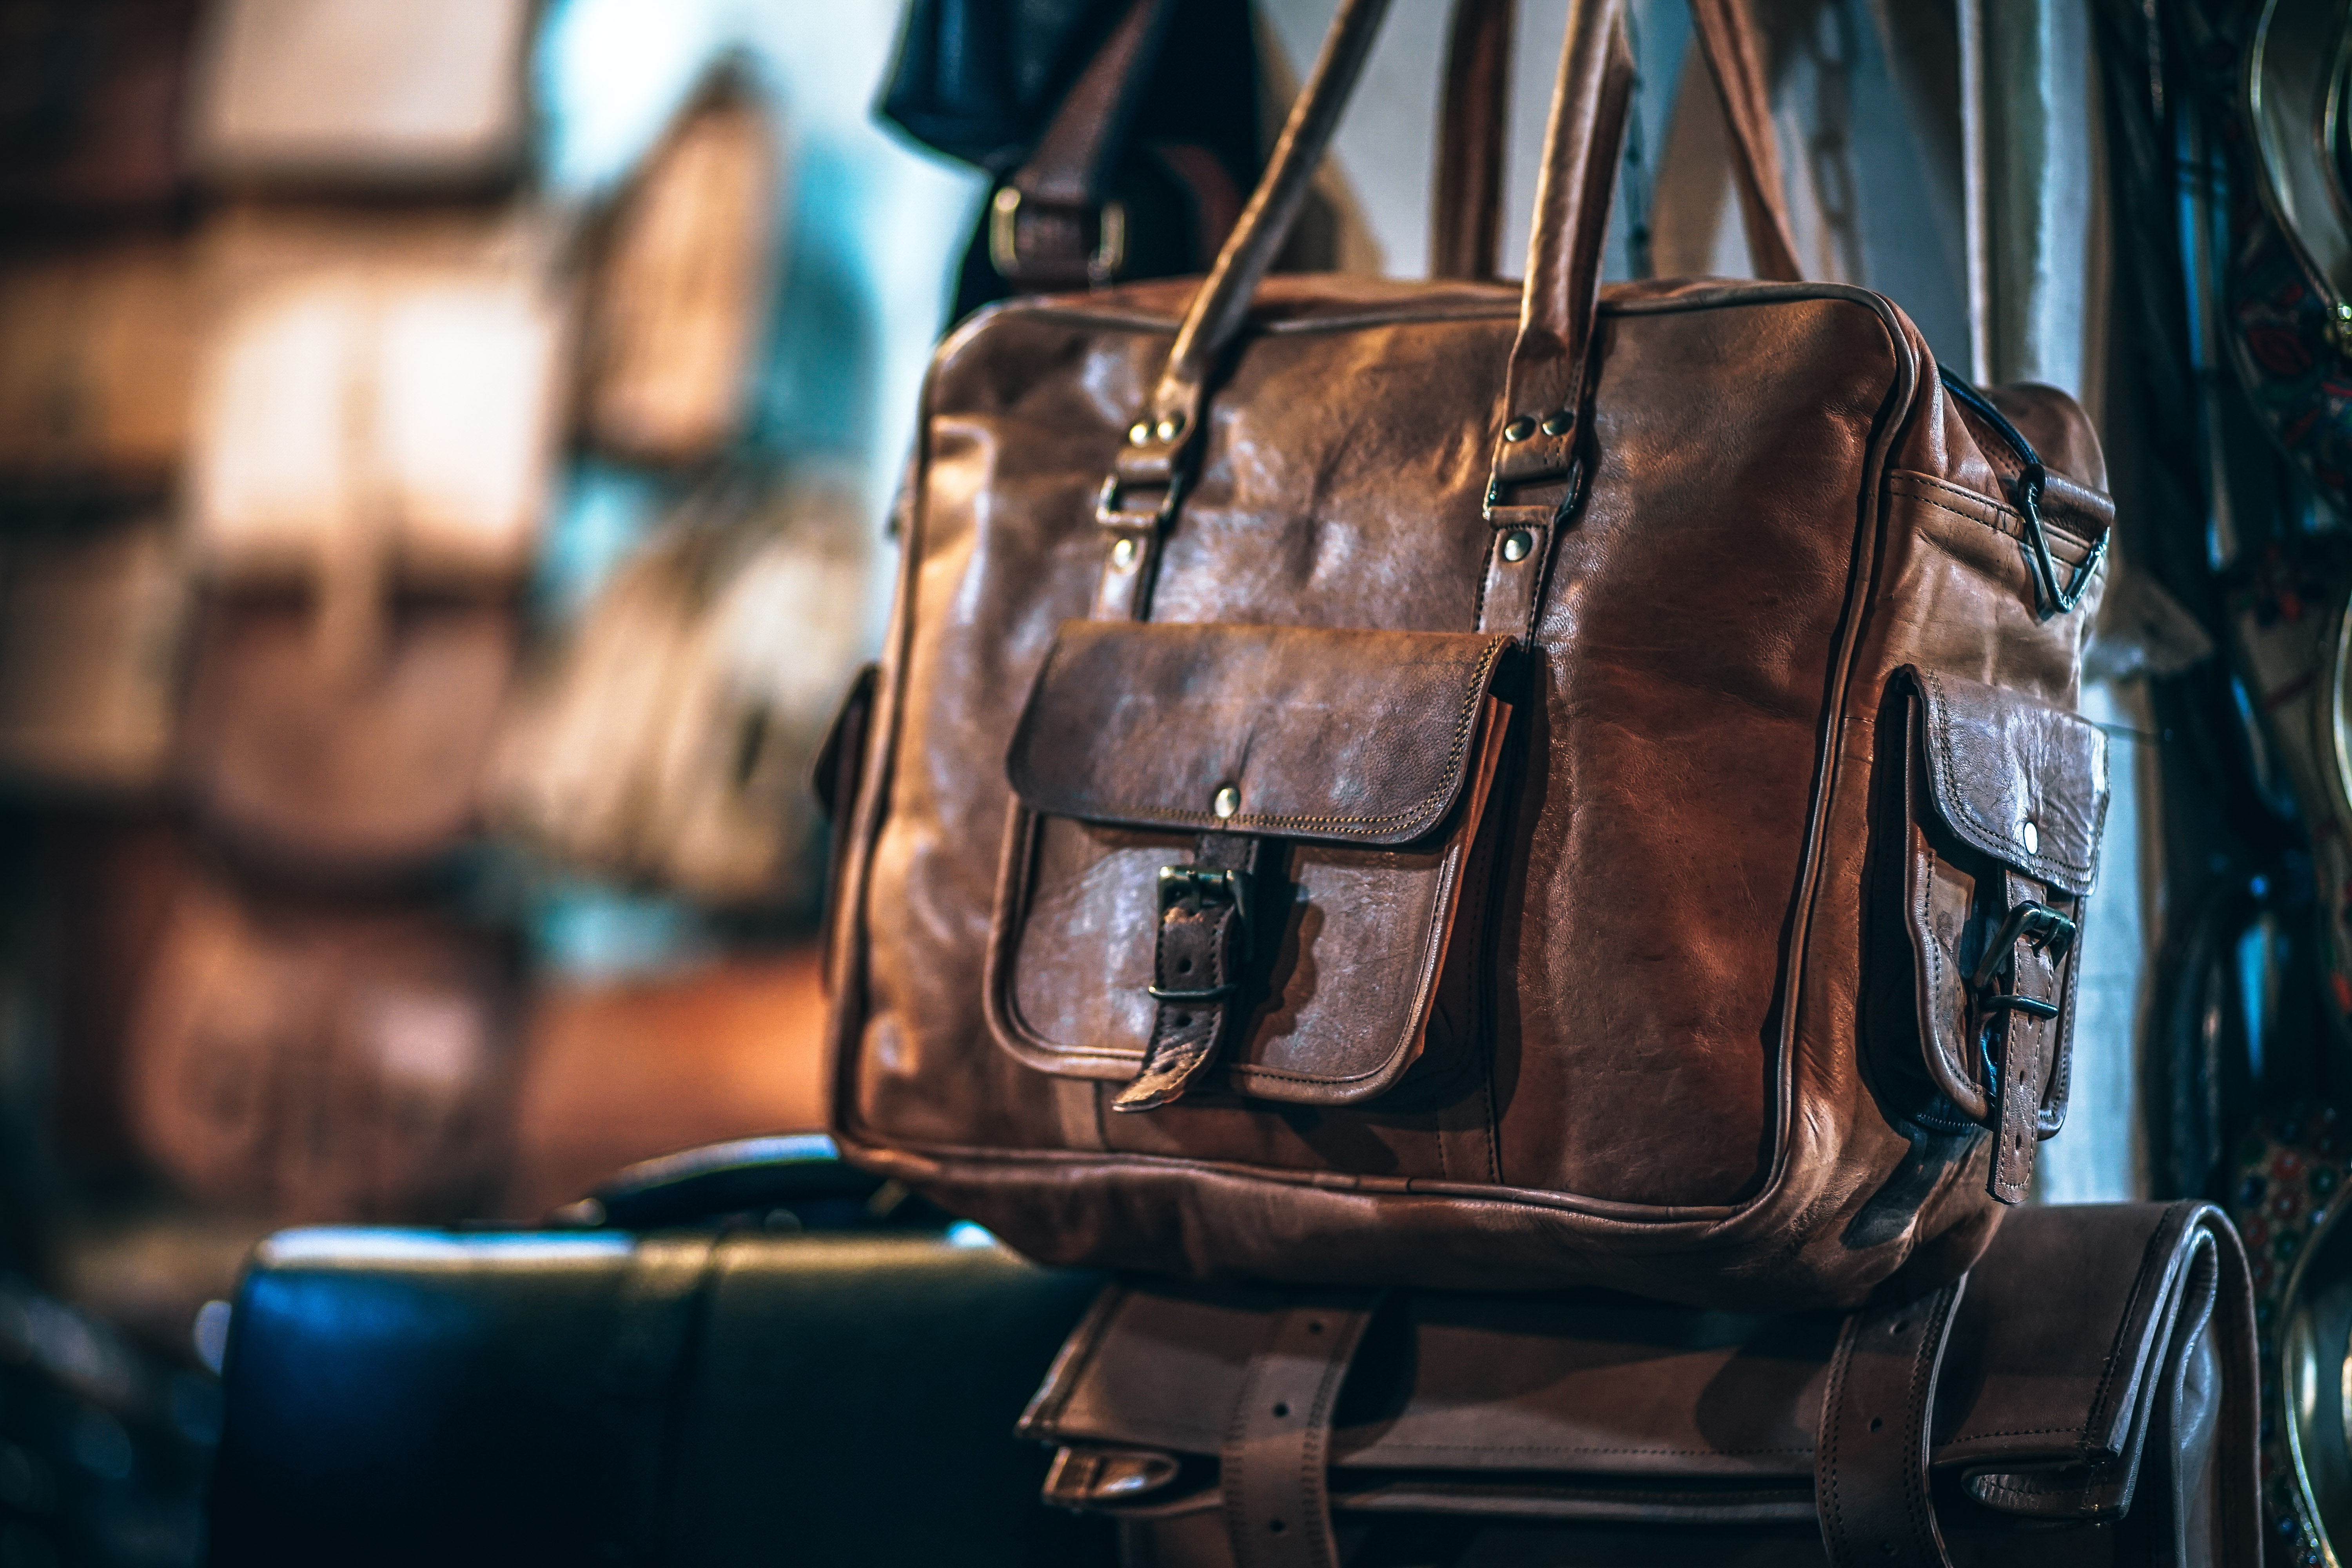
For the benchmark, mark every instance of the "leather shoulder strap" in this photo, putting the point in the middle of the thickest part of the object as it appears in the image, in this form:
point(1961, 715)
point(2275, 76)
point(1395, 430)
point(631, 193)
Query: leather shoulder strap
point(1274, 1464)
point(1473, 132)
point(1869, 1462)
point(1045, 230)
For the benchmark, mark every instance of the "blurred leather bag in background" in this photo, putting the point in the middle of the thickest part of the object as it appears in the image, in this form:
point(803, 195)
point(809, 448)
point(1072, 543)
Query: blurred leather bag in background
point(678, 308)
point(426, 95)
point(1388, 783)
point(90, 111)
point(377, 417)
point(671, 738)
point(91, 622)
point(315, 1061)
point(98, 353)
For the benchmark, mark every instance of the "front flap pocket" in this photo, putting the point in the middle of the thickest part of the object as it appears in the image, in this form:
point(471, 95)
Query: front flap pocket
point(1996, 804)
point(1244, 857)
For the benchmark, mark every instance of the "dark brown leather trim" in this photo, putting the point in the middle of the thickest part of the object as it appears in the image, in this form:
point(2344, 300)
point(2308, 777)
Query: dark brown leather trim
point(1871, 1461)
point(1273, 1464)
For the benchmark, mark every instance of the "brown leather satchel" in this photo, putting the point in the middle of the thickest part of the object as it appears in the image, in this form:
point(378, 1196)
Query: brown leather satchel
point(323, 1061)
point(1443, 785)
point(2087, 1394)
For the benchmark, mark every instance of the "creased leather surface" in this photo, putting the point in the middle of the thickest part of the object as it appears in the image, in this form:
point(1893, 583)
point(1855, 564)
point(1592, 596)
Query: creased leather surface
point(2003, 767)
point(1676, 901)
point(2073, 1346)
point(1347, 737)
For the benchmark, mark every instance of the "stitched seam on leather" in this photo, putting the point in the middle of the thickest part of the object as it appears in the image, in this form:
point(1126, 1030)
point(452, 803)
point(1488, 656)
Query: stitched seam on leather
point(1446, 787)
point(1901, 482)
point(1826, 1458)
point(1952, 795)
point(1923, 1382)
point(2131, 1306)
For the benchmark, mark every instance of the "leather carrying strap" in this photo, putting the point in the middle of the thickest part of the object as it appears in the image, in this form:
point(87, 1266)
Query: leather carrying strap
point(1474, 130)
point(1870, 1463)
point(1057, 197)
point(2023, 1040)
point(1274, 1465)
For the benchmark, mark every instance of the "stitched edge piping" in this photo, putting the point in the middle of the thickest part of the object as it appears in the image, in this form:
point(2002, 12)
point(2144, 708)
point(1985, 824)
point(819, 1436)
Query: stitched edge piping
point(2006, 519)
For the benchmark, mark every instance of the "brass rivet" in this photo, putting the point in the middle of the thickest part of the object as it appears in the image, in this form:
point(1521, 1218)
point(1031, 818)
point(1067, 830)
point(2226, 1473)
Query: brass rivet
point(1518, 543)
point(1138, 433)
point(1560, 424)
point(1228, 801)
point(1519, 429)
point(1170, 427)
point(1122, 555)
point(2029, 836)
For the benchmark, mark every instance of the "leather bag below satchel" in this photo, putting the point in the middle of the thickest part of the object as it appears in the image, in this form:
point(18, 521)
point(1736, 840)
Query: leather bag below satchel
point(2085, 1393)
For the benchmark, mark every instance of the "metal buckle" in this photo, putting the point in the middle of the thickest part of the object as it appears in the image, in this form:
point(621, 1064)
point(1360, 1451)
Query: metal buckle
point(1195, 886)
point(2040, 927)
point(1110, 513)
point(1004, 237)
point(2049, 598)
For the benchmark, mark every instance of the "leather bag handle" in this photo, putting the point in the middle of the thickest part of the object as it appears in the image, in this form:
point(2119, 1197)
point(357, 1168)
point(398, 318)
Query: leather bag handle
point(1536, 436)
point(1474, 129)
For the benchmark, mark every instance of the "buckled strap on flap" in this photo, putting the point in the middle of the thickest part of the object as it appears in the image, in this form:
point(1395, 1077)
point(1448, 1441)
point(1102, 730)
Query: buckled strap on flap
point(1198, 965)
point(1273, 1464)
point(1870, 1464)
point(2022, 1022)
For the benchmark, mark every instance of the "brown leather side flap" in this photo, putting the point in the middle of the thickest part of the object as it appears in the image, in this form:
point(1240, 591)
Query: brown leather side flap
point(2024, 782)
point(1346, 737)
point(2055, 1360)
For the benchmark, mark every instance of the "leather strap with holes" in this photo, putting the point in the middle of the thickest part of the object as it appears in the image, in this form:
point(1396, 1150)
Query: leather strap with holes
point(1199, 964)
point(1869, 1460)
point(2023, 1045)
point(1274, 1463)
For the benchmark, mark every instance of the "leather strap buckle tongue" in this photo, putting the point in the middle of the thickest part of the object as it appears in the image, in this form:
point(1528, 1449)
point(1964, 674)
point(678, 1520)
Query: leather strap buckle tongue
point(1198, 958)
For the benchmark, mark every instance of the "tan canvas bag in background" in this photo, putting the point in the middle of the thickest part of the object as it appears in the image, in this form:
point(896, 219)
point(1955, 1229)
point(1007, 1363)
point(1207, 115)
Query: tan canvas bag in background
point(1477, 786)
point(677, 309)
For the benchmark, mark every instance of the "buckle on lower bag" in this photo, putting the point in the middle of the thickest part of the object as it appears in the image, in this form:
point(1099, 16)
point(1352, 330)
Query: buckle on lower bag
point(1196, 887)
point(2043, 928)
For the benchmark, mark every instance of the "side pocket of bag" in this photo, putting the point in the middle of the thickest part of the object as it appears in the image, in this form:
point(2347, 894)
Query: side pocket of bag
point(1988, 823)
point(834, 778)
